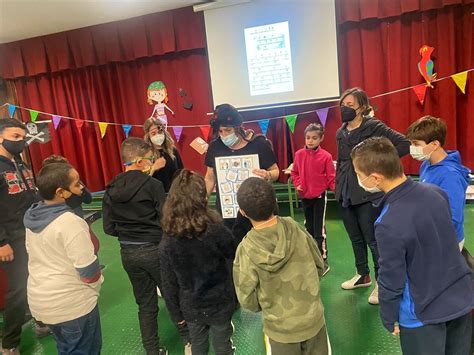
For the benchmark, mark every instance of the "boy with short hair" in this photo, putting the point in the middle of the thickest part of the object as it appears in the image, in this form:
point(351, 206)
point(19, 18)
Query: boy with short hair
point(312, 174)
point(278, 264)
point(131, 211)
point(64, 274)
point(440, 167)
point(419, 299)
point(17, 194)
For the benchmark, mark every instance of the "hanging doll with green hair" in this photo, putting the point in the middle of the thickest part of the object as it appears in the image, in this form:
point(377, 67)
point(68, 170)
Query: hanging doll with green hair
point(157, 93)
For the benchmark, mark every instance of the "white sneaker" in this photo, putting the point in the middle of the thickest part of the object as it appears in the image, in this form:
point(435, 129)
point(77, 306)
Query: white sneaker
point(374, 296)
point(158, 292)
point(187, 349)
point(356, 282)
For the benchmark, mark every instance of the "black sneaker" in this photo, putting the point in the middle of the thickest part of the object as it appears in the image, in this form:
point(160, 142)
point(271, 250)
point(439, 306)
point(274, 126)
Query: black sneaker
point(356, 282)
point(162, 351)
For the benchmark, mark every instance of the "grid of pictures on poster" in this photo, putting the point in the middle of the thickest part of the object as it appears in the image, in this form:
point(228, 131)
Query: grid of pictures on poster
point(231, 172)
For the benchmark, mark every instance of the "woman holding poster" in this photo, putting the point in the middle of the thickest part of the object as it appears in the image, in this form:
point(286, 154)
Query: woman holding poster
point(241, 147)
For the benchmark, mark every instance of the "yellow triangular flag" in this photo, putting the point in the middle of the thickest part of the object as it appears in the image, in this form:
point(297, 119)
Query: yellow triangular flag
point(103, 128)
point(460, 79)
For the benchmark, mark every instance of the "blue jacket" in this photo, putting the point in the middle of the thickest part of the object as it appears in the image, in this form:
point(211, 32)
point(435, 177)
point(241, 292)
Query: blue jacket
point(423, 278)
point(453, 178)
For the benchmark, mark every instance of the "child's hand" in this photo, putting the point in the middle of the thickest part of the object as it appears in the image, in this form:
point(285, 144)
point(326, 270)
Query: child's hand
point(299, 188)
point(159, 164)
point(6, 253)
point(396, 330)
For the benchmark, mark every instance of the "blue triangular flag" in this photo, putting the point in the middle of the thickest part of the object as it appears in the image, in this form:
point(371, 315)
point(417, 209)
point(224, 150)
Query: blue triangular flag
point(11, 110)
point(126, 129)
point(264, 126)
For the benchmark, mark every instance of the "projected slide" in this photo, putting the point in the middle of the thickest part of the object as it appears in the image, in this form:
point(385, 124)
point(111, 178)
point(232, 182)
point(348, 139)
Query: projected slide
point(269, 59)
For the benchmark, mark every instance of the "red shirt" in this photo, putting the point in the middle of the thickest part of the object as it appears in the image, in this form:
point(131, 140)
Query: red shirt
point(314, 171)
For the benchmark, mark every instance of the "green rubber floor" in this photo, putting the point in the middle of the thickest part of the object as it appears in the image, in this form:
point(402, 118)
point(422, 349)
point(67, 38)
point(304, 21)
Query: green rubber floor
point(354, 326)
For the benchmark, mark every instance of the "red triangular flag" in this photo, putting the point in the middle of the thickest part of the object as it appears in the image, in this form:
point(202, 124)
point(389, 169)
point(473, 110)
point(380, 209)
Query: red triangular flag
point(79, 123)
point(205, 131)
point(420, 92)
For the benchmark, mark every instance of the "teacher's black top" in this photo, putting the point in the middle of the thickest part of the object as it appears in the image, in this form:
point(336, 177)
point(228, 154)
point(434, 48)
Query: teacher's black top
point(167, 173)
point(260, 146)
point(348, 190)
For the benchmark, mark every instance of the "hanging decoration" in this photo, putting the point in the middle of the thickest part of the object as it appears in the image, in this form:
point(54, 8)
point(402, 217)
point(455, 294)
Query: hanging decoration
point(11, 110)
point(323, 115)
point(291, 122)
point(103, 129)
point(205, 131)
point(126, 129)
point(158, 95)
point(177, 132)
point(426, 65)
point(264, 126)
point(460, 80)
point(56, 121)
point(420, 92)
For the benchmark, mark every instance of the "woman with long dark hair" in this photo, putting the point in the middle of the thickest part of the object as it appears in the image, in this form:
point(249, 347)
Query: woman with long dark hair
point(356, 201)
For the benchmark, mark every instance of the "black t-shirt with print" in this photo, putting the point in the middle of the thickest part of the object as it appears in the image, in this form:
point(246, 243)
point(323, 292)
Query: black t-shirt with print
point(260, 146)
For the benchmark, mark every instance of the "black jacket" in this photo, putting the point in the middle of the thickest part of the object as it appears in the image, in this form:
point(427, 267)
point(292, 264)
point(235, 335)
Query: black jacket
point(347, 188)
point(131, 207)
point(196, 277)
point(17, 194)
point(167, 173)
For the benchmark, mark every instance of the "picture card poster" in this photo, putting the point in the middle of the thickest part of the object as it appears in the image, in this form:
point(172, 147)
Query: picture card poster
point(231, 172)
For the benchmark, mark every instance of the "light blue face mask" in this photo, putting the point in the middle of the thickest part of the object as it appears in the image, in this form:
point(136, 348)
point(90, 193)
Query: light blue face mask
point(230, 140)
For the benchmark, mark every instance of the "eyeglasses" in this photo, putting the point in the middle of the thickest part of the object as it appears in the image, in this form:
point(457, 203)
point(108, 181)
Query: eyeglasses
point(150, 159)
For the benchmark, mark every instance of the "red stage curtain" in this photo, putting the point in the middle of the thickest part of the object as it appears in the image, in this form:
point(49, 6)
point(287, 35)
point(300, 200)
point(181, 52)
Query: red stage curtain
point(359, 10)
point(120, 41)
point(382, 55)
point(101, 73)
point(116, 93)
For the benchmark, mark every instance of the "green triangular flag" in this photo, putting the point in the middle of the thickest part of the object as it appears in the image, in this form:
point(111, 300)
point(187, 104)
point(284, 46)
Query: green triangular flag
point(33, 115)
point(291, 121)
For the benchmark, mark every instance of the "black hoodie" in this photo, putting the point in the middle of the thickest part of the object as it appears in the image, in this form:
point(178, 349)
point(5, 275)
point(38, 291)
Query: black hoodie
point(131, 207)
point(17, 194)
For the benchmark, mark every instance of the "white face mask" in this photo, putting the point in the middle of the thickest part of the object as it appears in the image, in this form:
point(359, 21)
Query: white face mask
point(158, 139)
point(372, 190)
point(416, 153)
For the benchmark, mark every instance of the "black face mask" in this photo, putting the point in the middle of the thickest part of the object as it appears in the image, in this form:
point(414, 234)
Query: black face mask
point(14, 147)
point(348, 113)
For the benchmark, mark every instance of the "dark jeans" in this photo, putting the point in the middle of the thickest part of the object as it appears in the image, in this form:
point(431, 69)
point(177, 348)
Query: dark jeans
point(448, 338)
point(221, 338)
point(359, 222)
point(81, 336)
point(16, 303)
point(141, 263)
point(314, 213)
point(317, 345)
